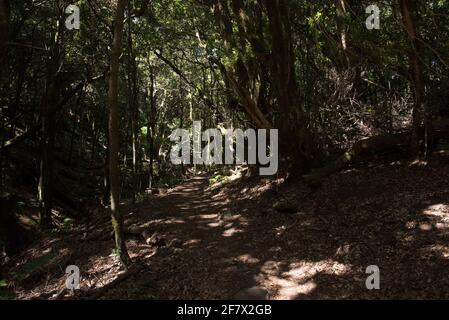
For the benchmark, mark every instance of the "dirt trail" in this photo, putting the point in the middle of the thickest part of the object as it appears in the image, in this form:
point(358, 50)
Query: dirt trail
point(230, 239)
point(213, 243)
point(220, 241)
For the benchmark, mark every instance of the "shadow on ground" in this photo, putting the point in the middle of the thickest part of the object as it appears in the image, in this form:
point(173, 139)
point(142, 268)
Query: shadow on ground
point(224, 240)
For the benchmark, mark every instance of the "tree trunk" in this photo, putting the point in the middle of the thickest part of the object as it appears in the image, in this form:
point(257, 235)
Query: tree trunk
point(4, 35)
point(416, 75)
point(295, 134)
point(114, 139)
point(133, 110)
point(151, 129)
point(106, 181)
point(45, 192)
point(238, 78)
point(5, 17)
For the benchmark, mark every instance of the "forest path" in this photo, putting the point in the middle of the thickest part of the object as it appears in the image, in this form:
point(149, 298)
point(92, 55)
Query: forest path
point(222, 240)
point(225, 240)
point(211, 245)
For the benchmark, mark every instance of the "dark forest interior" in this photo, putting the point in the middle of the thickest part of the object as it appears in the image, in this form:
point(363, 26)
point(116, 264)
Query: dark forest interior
point(91, 92)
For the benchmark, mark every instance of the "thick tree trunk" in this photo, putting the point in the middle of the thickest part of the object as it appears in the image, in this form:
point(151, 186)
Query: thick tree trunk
point(296, 137)
point(274, 65)
point(114, 139)
point(416, 76)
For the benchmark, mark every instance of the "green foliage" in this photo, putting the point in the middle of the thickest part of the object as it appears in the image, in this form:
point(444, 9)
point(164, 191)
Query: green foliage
point(68, 222)
point(218, 179)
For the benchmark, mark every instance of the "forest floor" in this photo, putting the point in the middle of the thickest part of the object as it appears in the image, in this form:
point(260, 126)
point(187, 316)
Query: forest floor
point(214, 242)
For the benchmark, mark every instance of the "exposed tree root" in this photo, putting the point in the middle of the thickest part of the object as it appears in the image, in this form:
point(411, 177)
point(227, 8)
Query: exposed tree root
point(373, 145)
point(365, 146)
point(98, 293)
